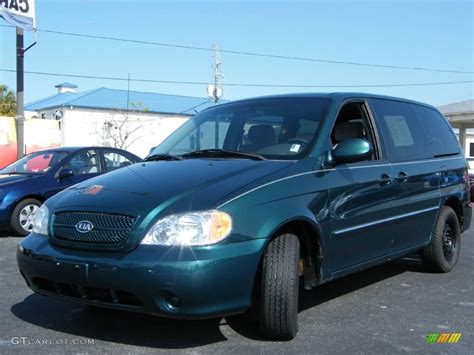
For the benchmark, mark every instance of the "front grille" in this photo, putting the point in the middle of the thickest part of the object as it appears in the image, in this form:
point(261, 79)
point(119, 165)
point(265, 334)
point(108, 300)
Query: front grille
point(108, 229)
point(91, 294)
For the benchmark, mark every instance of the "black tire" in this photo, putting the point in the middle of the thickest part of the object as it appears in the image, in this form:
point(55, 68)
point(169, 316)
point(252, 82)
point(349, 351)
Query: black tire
point(15, 224)
point(280, 286)
point(442, 254)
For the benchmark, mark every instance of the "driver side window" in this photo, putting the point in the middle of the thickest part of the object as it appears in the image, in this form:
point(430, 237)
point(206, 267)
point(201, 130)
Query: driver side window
point(84, 162)
point(353, 122)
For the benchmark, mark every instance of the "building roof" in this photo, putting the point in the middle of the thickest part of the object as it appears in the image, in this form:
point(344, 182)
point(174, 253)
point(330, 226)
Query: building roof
point(112, 99)
point(458, 108)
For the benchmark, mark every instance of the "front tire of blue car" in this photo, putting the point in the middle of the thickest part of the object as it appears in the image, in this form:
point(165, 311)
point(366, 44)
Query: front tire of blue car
point(23, 215)
point(280, 286)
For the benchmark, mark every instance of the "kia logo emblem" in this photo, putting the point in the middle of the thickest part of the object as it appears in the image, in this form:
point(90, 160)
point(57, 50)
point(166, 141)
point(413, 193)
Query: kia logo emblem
point(84, 226)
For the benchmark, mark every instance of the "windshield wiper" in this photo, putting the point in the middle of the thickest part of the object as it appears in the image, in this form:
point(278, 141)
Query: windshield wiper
point(222, 153)
point(157, 157)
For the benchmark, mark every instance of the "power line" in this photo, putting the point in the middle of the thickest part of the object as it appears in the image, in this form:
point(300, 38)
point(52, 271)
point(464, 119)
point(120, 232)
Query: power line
point(265, 55)
point(114, 78)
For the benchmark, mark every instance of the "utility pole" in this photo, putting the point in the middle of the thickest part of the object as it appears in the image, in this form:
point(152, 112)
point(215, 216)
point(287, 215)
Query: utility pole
point(214, 91)
point(217, 74)
point(20, 91)
point(20, 99)
point(22, 15)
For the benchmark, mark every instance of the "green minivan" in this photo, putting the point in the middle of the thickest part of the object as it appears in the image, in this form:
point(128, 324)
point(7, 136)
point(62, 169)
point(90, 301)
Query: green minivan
point(250, 201)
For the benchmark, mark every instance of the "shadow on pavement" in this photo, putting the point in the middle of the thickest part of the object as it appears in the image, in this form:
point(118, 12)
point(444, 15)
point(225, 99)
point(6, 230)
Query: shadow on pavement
point(117, 326)
point(155, 332)
point(332, 290)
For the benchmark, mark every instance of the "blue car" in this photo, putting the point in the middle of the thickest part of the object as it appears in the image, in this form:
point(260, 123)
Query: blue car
point(31, 180)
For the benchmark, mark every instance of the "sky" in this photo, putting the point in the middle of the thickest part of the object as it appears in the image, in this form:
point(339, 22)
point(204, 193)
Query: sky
point(415, 33)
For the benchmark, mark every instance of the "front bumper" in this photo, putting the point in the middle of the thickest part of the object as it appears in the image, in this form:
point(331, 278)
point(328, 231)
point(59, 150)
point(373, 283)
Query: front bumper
point(203, 282)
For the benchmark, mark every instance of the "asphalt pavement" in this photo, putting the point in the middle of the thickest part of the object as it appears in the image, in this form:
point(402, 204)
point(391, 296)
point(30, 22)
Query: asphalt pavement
point(384, 310)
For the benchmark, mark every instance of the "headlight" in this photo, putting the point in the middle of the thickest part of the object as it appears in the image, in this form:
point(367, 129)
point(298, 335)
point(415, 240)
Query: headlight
point(195, 228)
point(40, 225)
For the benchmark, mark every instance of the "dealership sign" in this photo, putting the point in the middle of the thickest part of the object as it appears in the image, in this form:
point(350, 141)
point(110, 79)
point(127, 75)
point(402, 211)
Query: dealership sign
point(19, 13)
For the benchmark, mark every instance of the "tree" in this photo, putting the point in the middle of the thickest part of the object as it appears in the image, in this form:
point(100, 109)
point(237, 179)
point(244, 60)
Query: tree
point(7, 102)
point(121, 131)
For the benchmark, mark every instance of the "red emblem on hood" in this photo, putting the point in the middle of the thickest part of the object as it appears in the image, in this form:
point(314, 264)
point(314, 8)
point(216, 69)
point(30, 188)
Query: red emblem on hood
point(92, 190)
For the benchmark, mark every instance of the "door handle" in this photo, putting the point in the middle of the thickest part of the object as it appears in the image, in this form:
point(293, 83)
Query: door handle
point(385, 180)
point(402, 176)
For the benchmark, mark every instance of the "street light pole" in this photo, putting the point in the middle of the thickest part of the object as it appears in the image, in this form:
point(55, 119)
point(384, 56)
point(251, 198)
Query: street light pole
point(20, 100)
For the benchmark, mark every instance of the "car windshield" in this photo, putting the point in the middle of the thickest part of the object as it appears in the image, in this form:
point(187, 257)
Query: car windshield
point(35, 163)
point(274, 128)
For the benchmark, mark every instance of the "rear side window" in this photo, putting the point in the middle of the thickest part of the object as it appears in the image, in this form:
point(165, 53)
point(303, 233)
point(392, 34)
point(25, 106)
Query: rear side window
point(443, 140)
point(405, 137)
point(115, 160)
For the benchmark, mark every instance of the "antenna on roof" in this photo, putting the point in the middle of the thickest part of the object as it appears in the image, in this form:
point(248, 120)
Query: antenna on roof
point(214, 91)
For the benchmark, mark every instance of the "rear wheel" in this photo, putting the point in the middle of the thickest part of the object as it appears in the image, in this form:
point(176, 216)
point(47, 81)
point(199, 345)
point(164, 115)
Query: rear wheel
point(280, 283)
point(443, 252)
point(23, 215)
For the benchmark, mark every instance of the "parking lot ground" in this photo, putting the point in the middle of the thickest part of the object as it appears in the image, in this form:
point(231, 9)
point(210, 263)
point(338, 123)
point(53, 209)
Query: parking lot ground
point(384, 310)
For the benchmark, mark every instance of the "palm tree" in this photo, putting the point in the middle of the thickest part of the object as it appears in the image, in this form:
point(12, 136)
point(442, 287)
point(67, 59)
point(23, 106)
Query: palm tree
point(7, 102)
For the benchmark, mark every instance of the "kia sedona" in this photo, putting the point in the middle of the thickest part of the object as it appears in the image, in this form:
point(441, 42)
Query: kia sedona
point(31, 180)
point(249, 201)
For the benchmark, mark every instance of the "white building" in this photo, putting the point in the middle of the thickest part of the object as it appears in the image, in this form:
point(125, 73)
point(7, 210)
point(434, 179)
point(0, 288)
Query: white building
point(461, 117)
point(136, 121)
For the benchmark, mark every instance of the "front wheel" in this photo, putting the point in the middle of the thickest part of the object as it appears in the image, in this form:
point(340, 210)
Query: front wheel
point(280, 284)
point(442, 254)
point(23, 216)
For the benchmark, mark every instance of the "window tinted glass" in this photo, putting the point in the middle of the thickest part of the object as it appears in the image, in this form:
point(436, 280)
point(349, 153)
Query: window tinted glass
point(114, 160)
point(443, 140)
point(35, 163)
point(84, 162)
point(405, 137)
point(281, 128)
point(353, 122)
point(209, 135)
point(250, 139)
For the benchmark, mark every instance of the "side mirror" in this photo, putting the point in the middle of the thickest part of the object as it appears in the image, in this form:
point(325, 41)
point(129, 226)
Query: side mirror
point(352, 150)
point(65, 173)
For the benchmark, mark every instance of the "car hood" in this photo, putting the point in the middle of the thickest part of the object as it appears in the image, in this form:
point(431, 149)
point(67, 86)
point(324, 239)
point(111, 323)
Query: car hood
point(147, 189)
point(8, 179)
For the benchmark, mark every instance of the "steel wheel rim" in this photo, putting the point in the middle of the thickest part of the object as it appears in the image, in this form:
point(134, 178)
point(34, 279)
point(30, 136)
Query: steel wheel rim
point(27, 217)
point(449, 242)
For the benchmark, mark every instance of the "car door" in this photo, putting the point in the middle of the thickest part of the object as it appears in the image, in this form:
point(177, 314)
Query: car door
point(85, 164)
point(360, 195)
point(416, 173)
